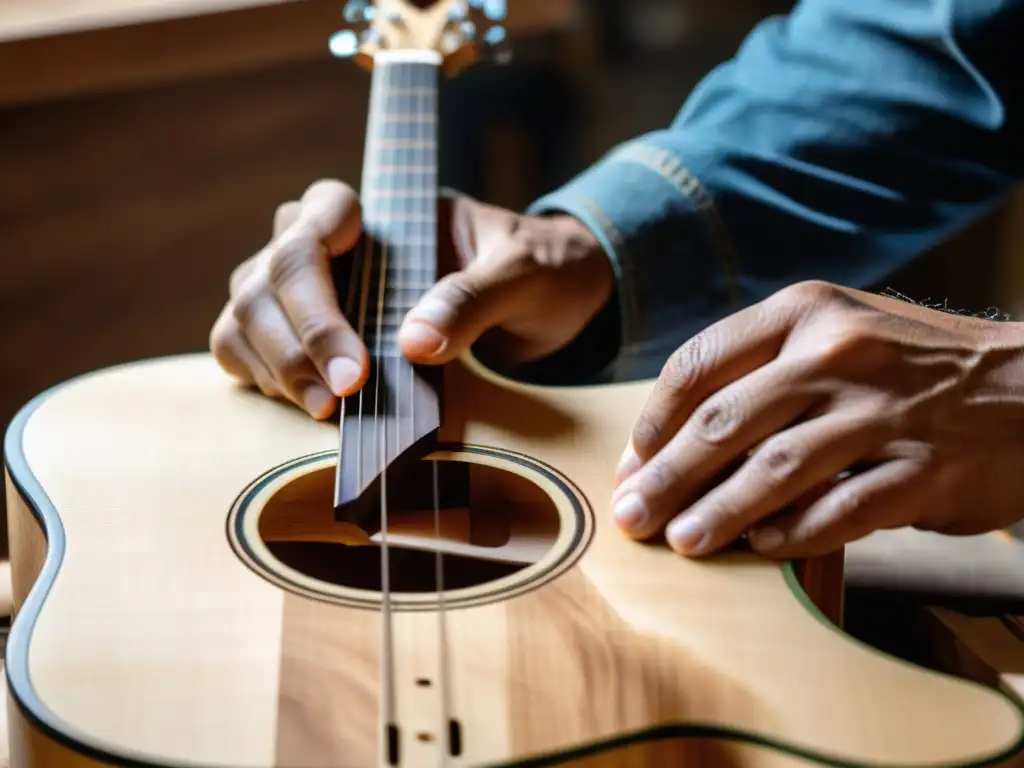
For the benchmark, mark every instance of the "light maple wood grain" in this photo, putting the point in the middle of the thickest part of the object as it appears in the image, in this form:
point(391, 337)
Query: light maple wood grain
point(173, 628)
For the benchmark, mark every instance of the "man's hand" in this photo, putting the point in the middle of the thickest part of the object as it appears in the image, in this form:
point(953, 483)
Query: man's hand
point(534, 282)
point(926, 408)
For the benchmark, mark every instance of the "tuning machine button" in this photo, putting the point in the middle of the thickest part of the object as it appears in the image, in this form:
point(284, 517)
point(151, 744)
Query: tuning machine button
point(344, 44)
point(497, 41)
point(357, 11)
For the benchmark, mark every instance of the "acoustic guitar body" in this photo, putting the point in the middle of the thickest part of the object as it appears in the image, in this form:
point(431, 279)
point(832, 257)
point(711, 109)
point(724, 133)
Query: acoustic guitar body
point(186, 598)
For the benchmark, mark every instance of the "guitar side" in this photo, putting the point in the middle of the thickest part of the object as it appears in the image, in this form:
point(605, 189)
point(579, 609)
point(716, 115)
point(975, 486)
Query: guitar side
point(141, 636)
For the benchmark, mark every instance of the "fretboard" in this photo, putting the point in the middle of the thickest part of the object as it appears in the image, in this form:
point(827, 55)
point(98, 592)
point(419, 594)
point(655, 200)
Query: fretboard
point(399, 195)
point(399, 406)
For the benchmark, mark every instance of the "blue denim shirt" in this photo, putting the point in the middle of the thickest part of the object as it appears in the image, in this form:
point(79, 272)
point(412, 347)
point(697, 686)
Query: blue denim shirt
point(840, 142)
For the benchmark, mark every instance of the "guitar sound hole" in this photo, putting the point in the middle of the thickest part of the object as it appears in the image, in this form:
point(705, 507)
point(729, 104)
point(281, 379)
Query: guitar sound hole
point(493, 524)
point(412, 570)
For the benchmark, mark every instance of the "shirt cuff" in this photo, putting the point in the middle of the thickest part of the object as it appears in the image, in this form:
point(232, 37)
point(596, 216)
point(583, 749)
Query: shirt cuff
point(673, 264)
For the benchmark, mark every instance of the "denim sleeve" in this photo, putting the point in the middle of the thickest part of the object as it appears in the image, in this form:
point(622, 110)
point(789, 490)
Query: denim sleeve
point(840, 142)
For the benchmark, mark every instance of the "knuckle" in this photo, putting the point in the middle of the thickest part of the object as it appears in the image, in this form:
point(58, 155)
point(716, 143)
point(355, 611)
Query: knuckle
point(288, 258)
point(647, 435)
point(319, 335)
point(326, 203)
point(246, 303)
point(717, 419)
point(778, 460)
point(847, 503)
point(528, 239)
point(331, 187)
point(291, 365)
point(659, 476)
point(222, 340)
point(456, 290)
point(808, 299)
point(285, 208)
point(239, 275)
point(805, 291)
point(722, 516)
point(285, 214)
point(686, 366)
point(226, 347)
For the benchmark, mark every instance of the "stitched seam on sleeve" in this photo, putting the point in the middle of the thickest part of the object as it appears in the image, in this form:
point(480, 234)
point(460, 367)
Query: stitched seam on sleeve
point(671, 168)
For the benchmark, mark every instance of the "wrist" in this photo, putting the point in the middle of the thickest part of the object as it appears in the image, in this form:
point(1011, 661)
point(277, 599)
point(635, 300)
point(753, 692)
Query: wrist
point(588, 285)
point(582, 247)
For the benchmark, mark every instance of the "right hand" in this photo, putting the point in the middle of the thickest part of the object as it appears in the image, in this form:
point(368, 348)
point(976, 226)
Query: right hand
point(533, 283)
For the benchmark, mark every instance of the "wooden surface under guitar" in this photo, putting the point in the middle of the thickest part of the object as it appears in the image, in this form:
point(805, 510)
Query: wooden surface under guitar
point(162, 628)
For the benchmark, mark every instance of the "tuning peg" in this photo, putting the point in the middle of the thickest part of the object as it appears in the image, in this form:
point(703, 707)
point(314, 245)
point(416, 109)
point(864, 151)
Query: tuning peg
point(468, 30)
point(357, 11)
point(496, 36)
point(497, 40)
point(458, 11)
point(495, 10)
point(344, 44)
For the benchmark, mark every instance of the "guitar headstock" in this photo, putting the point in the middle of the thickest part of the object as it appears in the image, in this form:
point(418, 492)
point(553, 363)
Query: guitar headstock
point(460, 31)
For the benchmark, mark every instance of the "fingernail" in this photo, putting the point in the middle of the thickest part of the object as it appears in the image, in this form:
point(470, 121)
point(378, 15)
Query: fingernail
point(318, 401)
point(628, 464)
point(342, 374)
point(766, 538)
point(427, 341)
point(686, 534)
point(630, 512)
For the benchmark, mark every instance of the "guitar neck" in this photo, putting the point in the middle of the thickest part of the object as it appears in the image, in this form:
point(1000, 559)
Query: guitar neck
point(399, 405)
point(399, 193)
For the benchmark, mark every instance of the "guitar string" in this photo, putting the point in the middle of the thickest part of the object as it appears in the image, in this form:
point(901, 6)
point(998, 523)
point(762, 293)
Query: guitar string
point(428, 115)
point(372, 172)
point(417, 200)
point(380, 424)
point(358, 264)
point(371, 150)
point(420, 138)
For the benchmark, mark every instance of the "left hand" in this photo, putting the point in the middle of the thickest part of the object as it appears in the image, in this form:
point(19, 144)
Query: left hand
point(925, 407)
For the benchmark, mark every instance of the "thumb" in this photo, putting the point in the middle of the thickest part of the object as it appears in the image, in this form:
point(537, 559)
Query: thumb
point(453, 314)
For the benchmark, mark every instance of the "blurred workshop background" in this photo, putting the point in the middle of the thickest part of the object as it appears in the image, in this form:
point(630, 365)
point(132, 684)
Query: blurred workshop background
point(145, 143)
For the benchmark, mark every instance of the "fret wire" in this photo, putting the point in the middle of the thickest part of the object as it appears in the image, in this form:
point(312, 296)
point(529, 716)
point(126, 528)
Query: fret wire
point(399, 192)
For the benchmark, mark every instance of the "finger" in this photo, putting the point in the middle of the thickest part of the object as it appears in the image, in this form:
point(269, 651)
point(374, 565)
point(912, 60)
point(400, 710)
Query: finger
point(267, 330)
point(453, 314)
point(720, 431)
point(285, 215)
point(233, 353)
point(779, 473)
point(331, 210)
point(889, 495)
point(299, 276)
point(714, 358)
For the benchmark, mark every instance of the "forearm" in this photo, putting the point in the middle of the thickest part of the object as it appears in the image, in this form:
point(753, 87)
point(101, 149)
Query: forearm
point(839, 143)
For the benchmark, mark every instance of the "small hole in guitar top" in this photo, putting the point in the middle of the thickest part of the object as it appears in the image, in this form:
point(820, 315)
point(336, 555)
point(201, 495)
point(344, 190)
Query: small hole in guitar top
point(493, 523)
